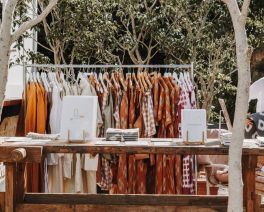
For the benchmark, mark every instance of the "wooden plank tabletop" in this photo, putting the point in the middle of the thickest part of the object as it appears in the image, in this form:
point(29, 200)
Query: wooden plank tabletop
point(166, 146)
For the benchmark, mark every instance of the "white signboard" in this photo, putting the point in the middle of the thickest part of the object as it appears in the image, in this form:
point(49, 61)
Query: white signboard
point(78, 120)
point(194, 125)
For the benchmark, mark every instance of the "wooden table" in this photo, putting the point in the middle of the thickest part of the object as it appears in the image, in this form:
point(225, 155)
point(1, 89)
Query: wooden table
point(14, 154)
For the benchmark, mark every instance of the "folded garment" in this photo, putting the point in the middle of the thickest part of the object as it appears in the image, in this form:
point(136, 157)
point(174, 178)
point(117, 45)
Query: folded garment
point(123, 135)
point(225, 138)
point(260, 141)
point(43, 136)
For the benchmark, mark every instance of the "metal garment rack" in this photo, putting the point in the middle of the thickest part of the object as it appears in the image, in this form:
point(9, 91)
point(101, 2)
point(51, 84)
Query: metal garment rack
point(172, 66)
point(189, 67)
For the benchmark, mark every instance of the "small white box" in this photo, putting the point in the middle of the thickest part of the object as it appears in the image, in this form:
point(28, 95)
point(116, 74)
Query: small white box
point(194, 125)
point(79, 118)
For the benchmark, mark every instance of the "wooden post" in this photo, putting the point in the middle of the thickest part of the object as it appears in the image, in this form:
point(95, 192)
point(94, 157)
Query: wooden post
point(20, 182)
point(14, 179)
point(249, 164)
point(10, 186)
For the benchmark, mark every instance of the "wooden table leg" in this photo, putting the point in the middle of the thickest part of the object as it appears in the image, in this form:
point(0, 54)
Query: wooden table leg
point(249, 164)
point(257, 206)
point(20, 182)
point(10, 186)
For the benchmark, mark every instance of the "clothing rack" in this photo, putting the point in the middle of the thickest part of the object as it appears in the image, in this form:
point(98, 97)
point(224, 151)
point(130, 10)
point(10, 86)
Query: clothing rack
point(172, 66)
point(189, 67)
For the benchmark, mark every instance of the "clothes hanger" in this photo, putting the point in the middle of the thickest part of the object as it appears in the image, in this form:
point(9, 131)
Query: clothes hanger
point(38, 77)
point(139, 77)
point(165, 73)
point(29, 76)
point(56, 78)
point(135, 79)
point(95, 75)
point(129, 78)
point(47, 78)
point(102, 82)
point(149, 84)
point(50, 77)
point(121, 79)
point(43, 81)
point(143, 80)
point(99, 85)
point(113, 78)
point(159, 73)
point(79, 77)
point(183, 84)
point(189, 78)
point(34, 76)
point(169, 74)
point(106, 78)
point(175, 77)
point(189, 85)
point(64, 82)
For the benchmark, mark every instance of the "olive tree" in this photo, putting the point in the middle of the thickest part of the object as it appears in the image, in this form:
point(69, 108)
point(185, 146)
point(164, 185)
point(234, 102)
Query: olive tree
point(8, 37)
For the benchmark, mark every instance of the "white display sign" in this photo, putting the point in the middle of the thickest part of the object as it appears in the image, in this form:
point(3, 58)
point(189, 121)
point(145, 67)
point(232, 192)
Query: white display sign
point(194, 125)
point(79, 116)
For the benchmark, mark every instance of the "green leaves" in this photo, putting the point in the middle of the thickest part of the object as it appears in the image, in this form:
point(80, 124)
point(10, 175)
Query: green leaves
point(152, 31)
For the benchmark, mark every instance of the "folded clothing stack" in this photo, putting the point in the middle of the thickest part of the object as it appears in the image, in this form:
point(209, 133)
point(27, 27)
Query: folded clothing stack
point(123, 135)
point(225, 138)
point(260, 141)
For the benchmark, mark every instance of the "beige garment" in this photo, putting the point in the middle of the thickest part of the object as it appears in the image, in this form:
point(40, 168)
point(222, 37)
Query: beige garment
point(72, 172)
point(67, 165)
point(75, 183)
point(91, 182)
point(78, 175)
point(90, 165)
point(69, 183)
point(55, 182)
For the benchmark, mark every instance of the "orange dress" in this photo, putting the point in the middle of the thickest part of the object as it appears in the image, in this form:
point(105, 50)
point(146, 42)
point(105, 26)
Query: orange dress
point(30, 126)
point(122, 164)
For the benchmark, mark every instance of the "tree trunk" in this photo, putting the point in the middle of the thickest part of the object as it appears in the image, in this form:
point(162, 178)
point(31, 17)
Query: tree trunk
point(6, 38)
point(5, 44)
point(235, 201)
point(235, 149)
point(4, 58)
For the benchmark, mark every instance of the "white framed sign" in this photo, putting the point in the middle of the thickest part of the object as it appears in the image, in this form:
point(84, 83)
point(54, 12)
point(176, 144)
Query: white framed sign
point(79, 118)
point(194, 129)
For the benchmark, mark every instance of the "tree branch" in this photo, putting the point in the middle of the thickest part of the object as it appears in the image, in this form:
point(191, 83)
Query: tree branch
point(29, 24)
point(45, 47)
point(226, 1)
point(244, 10)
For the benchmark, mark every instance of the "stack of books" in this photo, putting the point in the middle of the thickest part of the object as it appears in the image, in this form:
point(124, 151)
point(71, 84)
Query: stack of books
point(225, 138)
point(122, 135)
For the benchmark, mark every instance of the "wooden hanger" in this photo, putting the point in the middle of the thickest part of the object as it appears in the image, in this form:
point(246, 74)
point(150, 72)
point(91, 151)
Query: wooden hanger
point(121, 80)
point(113, 78)
point(129, 80)
point(147, 79)
point(139, 77)
point(135, 80)
point(106, 78)
point(101, 80)
point(143, 81)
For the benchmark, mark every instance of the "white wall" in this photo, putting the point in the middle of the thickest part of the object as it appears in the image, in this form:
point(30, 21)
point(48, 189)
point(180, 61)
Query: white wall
point(14, 87)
